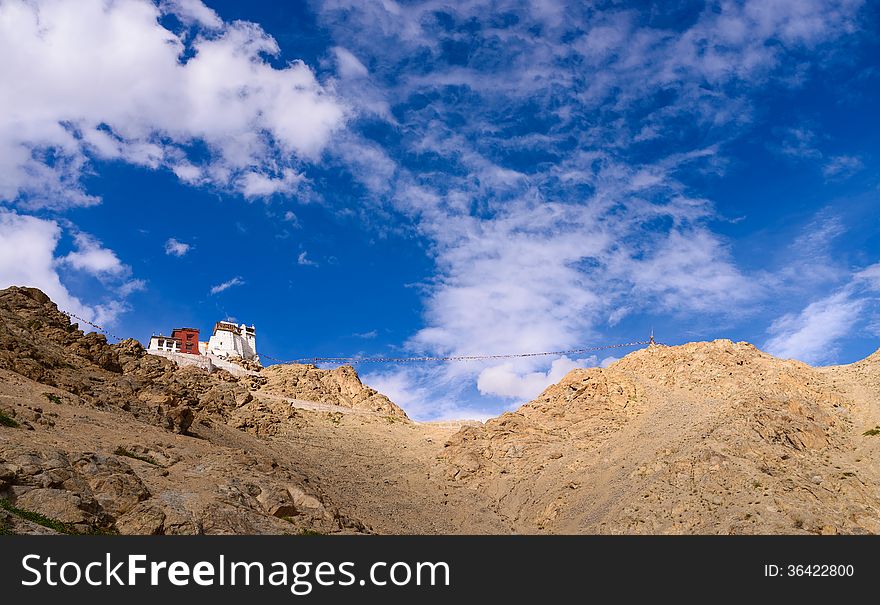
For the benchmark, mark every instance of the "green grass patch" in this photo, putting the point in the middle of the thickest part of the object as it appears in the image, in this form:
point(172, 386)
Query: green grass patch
point(29, 515)
point(872, 432)
point(52, 397)
point(121, 451)
point(7, 421)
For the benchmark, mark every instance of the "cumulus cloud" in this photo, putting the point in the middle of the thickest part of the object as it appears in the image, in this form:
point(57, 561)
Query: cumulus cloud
point(433, 399)
point(173, 247)
point(504, 381)
point(27, 258)
point(608, 361)
point(192, 12)
point(108, 80)
point(90, 256)
point(235, 281)
point(543, 230)
point(257, 184)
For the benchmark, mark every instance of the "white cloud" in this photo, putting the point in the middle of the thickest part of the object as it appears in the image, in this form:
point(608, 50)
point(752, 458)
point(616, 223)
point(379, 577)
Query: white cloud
point(293, 219)
point(107, 80)
point(869, 277)
point(132, 286)
point(369, 164)
point(90, 256)
point(27, 258)
point(424, 399)
point(812, 334)
point(174, 247)
point(544, 233)
point(348, 65)
point(192, 12)
point(257, 184)
point(235, 281)
point(800, 143)
point(304, 261)
point(841, 166)
point(689, 270)
point(504, 381)
point(366, 335)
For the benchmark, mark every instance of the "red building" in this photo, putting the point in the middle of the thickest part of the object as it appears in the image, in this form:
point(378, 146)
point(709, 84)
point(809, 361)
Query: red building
point(189, 339)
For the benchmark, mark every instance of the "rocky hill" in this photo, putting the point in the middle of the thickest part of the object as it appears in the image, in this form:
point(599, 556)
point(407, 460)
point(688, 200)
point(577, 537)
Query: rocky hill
point(107, 438)
point(713, 437)
point(340, 386)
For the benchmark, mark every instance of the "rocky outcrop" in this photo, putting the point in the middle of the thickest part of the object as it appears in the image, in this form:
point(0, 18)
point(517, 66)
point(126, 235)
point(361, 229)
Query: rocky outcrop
point(39, 342)
point(713, 437)
point(340, 386)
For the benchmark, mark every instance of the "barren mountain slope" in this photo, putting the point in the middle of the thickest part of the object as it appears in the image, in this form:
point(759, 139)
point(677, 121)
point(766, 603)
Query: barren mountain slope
point(702, 438)
point(107, 438)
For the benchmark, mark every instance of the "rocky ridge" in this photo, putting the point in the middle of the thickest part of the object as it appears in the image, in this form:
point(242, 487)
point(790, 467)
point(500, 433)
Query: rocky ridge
point(340, 386)
point(712, 437)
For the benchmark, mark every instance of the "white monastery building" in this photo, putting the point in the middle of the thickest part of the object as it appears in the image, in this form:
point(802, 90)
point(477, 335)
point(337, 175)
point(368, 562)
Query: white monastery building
point(231, 340)
point(164, 343)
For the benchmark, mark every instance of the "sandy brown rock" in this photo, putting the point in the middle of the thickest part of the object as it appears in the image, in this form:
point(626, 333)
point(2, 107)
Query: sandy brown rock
point(340, 386)
point(712, 437)
point(179, 419)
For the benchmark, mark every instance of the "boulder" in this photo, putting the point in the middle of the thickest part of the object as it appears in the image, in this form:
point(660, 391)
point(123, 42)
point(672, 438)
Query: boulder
point(179, 419)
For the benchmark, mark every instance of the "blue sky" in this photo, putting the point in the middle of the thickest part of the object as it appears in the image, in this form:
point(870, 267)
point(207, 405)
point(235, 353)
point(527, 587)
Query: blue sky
point(449, 178)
